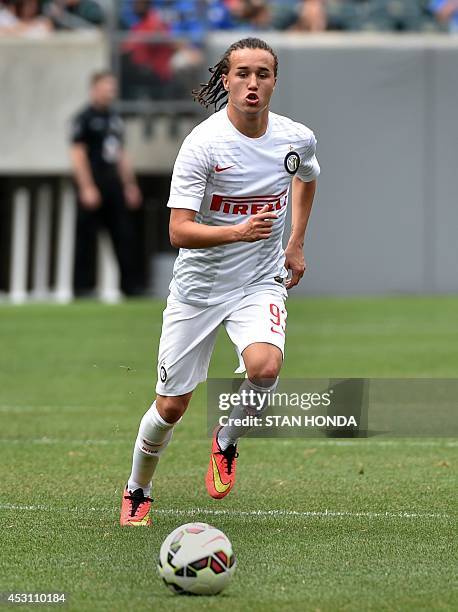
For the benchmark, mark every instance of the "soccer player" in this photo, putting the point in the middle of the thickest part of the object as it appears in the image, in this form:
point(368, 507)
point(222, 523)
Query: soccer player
point(228, 201)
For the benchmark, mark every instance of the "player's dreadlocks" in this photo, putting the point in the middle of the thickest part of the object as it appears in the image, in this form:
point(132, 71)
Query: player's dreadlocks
point(213, 91)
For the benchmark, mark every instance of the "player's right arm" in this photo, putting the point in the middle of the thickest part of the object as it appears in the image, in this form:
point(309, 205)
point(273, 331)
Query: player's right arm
point(187, 234)
point(191, 172)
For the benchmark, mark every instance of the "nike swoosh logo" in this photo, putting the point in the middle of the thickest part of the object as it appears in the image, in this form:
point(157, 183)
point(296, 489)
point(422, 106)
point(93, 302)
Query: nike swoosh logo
point(219, 485)
point(218, 169)
point(144, 521)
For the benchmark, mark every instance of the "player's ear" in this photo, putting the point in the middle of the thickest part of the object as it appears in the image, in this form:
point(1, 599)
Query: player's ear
point(225, 82)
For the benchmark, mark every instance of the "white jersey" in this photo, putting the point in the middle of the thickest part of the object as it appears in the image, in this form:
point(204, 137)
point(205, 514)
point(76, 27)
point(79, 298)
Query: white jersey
point(225, 176)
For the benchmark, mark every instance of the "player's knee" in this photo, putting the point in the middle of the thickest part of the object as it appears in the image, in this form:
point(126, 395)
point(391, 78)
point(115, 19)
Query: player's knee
point(265, 373)
point(172, 409)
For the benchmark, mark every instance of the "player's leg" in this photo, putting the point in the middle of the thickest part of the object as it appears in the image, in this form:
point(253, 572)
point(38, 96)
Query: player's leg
point(154, 435)
point(263, 363)
point(257, 328)
point(87, 225)
point(187, 341)
point(120, 223)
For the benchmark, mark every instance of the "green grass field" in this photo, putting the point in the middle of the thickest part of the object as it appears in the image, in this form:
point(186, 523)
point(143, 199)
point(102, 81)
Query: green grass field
point(319, 525)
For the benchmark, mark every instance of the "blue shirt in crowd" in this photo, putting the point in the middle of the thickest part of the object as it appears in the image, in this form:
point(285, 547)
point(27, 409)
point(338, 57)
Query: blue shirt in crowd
point(436, 5)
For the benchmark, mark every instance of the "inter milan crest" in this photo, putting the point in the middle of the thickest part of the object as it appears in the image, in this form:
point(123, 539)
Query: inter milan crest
point(292, 161)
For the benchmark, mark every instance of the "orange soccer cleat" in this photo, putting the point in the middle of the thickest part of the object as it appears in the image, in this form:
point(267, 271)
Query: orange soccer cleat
point(221, 471)
point(135, 508)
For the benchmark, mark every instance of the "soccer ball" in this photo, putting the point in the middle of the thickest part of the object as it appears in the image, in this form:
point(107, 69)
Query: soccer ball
point(196, 559)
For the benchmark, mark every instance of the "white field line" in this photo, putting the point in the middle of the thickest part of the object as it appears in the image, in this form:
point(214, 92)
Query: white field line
point(19, 409)
point(242, 513)
point(363, 442)
point(57, 441)
point(374, 441)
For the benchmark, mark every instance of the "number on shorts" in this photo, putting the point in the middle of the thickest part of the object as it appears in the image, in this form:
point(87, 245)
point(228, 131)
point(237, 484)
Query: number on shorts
point(278, 319)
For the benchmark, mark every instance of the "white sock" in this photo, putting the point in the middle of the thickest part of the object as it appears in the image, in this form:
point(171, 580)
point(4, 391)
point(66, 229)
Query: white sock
point(230, 434)
point(154, 434)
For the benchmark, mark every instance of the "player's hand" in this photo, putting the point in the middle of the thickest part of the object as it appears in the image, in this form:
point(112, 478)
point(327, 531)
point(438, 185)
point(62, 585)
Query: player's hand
point(294, 261)
point(133, 196)
point(258, 226)
point(90, 197)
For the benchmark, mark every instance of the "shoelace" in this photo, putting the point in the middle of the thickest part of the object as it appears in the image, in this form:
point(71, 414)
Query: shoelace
point(137, 501)
point(229, 455)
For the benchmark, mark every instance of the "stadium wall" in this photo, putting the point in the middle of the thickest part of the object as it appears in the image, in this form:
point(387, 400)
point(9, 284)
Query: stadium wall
point(382, 108)
point(43, 81)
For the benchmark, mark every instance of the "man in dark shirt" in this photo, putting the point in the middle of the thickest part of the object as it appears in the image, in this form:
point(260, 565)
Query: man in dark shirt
point(107, 188)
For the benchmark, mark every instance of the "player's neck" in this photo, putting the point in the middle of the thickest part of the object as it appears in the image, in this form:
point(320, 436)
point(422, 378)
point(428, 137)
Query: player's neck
point(100, 106)
point(253, 126)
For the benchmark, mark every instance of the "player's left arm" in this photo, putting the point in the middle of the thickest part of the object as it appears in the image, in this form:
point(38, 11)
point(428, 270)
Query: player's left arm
point(132, 192)
point(302, 196)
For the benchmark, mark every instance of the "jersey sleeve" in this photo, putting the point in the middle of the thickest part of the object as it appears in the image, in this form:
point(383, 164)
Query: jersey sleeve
point(309, 168)
point(190, 173)
point(79, 129)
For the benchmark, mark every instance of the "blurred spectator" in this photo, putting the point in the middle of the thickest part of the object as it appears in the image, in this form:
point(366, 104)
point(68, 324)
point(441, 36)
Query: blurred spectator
point(220, 16)
point(23, 17)
point(285, 13)
point(166, 65)
point(107, 189)
point(312, 16)
point(347, 15)
point(446, 12)
point(300, 15)
point(146, 64)
point(74, 14)
point(190, 16)
point(252, 14)
point(393, 15)
point(8, 15)
point(379, 15)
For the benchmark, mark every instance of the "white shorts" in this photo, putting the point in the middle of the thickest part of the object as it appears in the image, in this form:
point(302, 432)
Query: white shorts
point(189, 334)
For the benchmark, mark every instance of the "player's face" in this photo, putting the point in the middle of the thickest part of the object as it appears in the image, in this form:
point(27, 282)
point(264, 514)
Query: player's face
point(104, 91)
point(250, 80)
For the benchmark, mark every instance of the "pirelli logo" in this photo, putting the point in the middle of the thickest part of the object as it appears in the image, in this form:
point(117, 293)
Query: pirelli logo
point(248, 205)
